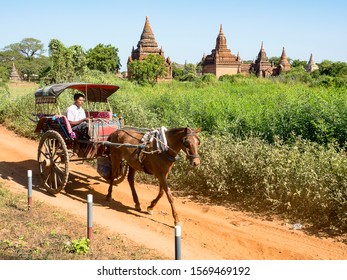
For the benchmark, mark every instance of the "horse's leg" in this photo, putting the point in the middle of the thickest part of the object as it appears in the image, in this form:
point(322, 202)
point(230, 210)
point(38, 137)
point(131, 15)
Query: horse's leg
point(164, 187)
point(115, 170)
point(155, 201)
point(131, 180)
point(109, 193)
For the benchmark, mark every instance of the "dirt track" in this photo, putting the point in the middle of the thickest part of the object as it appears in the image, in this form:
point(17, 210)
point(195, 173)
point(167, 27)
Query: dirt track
point(208, 232)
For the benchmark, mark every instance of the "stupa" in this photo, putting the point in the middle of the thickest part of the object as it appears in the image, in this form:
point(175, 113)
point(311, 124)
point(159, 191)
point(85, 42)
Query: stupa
point(311, 66)
point(148, 45)
point(283, 65)
point(14, 76)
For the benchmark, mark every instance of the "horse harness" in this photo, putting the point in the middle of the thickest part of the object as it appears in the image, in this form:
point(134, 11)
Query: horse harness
point(161, 147)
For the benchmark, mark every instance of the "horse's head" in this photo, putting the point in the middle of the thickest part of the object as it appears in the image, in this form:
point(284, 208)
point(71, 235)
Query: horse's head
point(190, 142)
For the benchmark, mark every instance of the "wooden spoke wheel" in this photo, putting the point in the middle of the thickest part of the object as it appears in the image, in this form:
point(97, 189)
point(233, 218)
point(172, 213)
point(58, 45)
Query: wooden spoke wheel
point(123, 172)
point(53, 159)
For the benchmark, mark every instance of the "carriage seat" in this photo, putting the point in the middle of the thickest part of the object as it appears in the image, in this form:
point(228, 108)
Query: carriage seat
point(99, 115)
point(66, 126)
point(58, 123)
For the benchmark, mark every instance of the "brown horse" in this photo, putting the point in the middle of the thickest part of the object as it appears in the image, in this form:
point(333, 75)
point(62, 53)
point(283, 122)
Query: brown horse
point(154, 156)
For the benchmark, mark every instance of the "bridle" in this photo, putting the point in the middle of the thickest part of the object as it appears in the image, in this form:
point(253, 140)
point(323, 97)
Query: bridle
point(186, 143)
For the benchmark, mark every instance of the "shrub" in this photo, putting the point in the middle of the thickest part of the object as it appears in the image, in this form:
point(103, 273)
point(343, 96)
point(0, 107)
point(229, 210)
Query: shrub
point(209, 79)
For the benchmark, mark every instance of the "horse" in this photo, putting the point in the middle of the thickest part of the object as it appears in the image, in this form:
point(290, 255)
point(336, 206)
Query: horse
point(155, 154)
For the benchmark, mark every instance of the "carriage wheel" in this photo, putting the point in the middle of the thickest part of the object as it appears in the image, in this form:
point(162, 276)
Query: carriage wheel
point(123, 173)
point(53, 159)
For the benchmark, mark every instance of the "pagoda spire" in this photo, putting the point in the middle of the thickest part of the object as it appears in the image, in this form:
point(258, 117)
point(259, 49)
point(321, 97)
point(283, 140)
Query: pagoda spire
point(283, 63)
point(147, 37)
point(262, 53)
point(221, 29)
point(284, 55)
point(311, 66)
point(311, 61)
point(221, 41)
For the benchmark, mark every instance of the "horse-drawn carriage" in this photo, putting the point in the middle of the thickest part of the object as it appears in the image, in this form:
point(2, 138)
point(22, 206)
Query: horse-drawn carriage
point(118, 150)
point(59, 144)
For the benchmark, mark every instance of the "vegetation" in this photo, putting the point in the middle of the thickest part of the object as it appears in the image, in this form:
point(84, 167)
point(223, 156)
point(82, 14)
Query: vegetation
point(274, 145)
point(28, 57)
point(53, 240)
point(149, 70)
point(63, 64)
point(103, 58)
point(268, 145)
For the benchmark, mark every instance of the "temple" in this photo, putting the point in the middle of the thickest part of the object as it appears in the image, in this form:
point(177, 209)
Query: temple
point(222, 62)
point(14, 76)
point(311, 66)
point(261, 66)
point(283, 64)
point(148, 45)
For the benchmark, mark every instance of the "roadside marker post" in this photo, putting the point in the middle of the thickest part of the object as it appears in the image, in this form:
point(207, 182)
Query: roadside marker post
point(178, 242)
point(30, 189)
point(90, 217)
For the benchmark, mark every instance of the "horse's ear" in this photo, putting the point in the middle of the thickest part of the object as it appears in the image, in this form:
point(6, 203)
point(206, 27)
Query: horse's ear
point(198, 130)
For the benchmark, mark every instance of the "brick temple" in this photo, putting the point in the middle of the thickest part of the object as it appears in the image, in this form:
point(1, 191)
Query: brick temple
point(222, 62)
point(148, 45)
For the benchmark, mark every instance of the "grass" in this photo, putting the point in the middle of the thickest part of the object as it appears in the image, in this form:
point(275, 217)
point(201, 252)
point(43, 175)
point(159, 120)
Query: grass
point(19, 89)
point(48, 233)
point(273, 146)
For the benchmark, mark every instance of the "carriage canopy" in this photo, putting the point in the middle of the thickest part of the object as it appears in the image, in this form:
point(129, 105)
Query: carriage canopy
point(93, 92)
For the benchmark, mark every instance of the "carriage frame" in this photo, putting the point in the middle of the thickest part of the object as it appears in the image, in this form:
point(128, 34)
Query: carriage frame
point(59, 145)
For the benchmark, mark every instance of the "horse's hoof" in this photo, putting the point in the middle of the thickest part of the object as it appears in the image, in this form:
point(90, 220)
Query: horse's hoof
point(108, 198)
point(150, 211)
point(138, 207)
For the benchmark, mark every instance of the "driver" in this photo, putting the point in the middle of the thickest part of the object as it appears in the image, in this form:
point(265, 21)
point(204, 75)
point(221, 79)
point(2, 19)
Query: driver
point(77, 117)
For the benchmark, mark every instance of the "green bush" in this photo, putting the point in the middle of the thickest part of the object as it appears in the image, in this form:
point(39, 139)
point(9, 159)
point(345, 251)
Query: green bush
point(303, 181)
point(78, 246)
point(266, 144)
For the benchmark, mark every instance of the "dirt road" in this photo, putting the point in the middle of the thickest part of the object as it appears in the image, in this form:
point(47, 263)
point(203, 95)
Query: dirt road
point(208, 232)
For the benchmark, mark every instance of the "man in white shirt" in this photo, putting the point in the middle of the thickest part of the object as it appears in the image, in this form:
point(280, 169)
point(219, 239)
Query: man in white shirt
point(77, 117)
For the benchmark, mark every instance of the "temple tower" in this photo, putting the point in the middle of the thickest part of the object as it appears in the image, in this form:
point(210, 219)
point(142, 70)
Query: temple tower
point(283, 65)
point(311, 66)
point(148, 45)
point(221, 61)
point(262, 67)
point(14, 76)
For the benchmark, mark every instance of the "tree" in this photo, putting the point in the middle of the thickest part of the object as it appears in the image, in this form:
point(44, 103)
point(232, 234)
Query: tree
point(66, 63)
point(189, 72)
point(27, 56)
point(79, 60)
point(296, 63)
point(61, 67)
point(177, 71)
point(333, 69)
point(189, 68)
point(103, 58)
point(28, 47)
point(275, 60)
point(149, 70)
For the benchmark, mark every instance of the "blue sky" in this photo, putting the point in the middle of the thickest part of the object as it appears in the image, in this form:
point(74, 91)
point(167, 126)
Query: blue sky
point(186, 29)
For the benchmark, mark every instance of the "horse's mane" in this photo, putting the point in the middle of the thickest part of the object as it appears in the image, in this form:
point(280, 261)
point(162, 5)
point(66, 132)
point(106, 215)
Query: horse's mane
point(173, 131)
